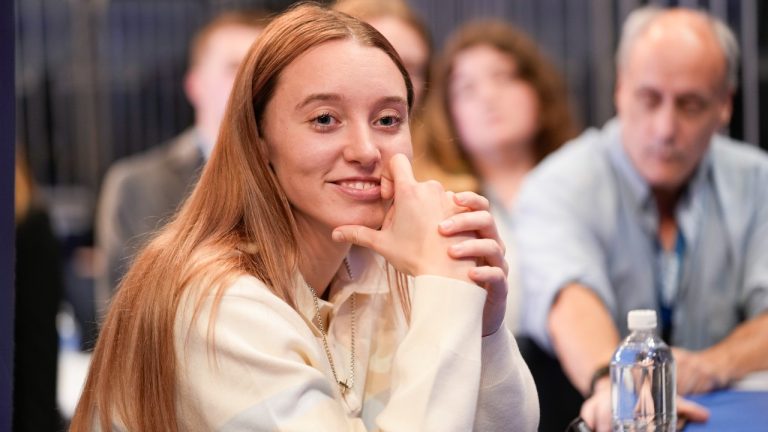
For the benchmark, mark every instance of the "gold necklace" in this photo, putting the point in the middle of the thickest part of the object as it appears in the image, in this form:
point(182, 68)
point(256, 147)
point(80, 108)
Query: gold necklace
point(348, 383)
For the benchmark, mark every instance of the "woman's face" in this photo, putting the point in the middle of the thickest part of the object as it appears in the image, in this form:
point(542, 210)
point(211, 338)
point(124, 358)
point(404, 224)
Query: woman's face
point(491, 107)
point(338, 114)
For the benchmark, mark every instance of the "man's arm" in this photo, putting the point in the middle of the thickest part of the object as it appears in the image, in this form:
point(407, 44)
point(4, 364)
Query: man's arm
point(742, 352)
point(583, 334)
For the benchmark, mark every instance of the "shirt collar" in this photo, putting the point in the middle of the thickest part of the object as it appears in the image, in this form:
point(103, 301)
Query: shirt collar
point(368, 272)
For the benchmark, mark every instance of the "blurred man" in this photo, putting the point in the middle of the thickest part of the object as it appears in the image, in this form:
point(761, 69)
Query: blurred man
point(654, 211)
point(143, 191)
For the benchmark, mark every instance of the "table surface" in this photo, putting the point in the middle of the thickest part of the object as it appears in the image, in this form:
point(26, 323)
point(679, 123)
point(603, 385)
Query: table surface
point(733, 410)
point(743, 407)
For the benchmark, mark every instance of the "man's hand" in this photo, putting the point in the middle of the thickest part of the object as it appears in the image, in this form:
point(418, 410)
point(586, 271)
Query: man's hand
point(696, 373)
point(596, 411)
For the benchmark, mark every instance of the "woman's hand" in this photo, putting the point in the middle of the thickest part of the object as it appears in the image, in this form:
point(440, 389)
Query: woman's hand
point(409, 237)
point(487, 250)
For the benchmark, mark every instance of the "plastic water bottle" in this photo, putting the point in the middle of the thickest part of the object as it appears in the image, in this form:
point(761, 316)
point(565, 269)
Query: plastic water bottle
point(643, 386)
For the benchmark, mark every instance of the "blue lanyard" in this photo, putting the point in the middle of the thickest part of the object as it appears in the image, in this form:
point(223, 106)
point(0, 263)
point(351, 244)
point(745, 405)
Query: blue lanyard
point(670, 273)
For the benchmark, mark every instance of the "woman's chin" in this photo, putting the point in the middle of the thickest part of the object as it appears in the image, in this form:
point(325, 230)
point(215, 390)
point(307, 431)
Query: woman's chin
point(372, 221)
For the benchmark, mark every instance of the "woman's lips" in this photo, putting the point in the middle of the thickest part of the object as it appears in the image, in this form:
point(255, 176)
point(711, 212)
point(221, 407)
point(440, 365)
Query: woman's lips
point(360, 189)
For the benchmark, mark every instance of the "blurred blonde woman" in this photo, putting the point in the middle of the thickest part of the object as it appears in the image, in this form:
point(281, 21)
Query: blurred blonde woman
point(310, 282)
point(496, 108)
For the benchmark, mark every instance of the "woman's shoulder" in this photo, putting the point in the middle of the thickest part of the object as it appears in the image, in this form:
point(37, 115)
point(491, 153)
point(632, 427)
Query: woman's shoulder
point(239, 297)
point(243, 285)
point(249, 287)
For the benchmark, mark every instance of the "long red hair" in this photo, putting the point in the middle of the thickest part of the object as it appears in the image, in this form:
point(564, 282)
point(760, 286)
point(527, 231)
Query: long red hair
point(236, 221)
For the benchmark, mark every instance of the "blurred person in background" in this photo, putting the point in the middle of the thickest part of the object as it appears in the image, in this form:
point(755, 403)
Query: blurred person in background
point(654, 211)
point(140, 192)
point(496, 108)
point(306, 283)
point(403, 28)
point(39, 288)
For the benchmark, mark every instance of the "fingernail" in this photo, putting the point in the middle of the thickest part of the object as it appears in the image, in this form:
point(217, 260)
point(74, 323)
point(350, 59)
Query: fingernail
point(457, 248)
point(337, 236)
point(446, 224)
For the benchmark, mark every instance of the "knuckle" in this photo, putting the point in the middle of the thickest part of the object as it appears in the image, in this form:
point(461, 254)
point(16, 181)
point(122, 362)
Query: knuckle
point(356, 236)
point(499, 248)
point(434, 185)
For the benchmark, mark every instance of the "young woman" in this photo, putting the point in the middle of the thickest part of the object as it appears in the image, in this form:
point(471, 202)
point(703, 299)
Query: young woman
point(310, 282)
point(497, 107)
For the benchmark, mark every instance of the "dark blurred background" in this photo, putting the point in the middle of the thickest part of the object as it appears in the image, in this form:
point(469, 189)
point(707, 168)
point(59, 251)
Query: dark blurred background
point(100, 79)
point(97, 80)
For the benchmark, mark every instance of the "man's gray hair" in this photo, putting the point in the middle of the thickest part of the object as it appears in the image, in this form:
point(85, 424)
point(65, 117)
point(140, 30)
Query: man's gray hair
point(640, 19)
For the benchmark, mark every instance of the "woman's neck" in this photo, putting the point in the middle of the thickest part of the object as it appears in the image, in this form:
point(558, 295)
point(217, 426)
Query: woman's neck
point(505, 171)
point(319, 256)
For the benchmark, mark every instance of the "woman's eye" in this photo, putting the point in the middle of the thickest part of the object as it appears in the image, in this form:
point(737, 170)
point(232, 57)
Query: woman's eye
point(389, 121)
point(324, 119)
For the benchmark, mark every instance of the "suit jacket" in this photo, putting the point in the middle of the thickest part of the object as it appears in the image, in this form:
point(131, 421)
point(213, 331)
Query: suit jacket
point(139, 194)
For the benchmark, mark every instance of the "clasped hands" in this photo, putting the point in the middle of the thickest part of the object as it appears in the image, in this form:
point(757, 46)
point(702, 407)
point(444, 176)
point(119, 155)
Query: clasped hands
point(428, 230)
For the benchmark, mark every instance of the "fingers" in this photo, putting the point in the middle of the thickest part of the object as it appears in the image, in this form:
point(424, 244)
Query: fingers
point(589, 412)
point(596, 411)
point(494, 281)
point(685, 374)
point(487, 249)
point(691, 410)
point(479, 221)
point(387, 188)
point(472, 201)
point(401, 170)
point(494, 276)
point(694, 373)
point(358, 235)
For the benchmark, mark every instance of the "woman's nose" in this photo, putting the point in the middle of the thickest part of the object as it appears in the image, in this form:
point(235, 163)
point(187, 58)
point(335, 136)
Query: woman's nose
point(361, 147)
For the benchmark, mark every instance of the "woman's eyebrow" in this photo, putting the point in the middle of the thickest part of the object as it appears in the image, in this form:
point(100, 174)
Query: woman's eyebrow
point(394, 99)
point(318, 97)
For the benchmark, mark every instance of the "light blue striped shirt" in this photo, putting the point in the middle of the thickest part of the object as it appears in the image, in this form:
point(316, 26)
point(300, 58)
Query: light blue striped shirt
point(586, 216)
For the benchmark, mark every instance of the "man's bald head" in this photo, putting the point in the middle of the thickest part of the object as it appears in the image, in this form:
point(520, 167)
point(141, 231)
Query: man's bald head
point(659, 26)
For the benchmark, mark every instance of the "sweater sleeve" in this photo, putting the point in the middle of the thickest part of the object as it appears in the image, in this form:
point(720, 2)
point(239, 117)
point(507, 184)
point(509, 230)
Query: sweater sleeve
point(436, 370)
point(508, 399)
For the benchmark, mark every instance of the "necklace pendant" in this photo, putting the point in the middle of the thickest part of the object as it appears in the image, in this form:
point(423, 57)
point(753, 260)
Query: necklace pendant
point(344, 385)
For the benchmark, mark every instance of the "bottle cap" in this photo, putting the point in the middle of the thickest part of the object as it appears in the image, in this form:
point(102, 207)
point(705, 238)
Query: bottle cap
point(641, 319)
